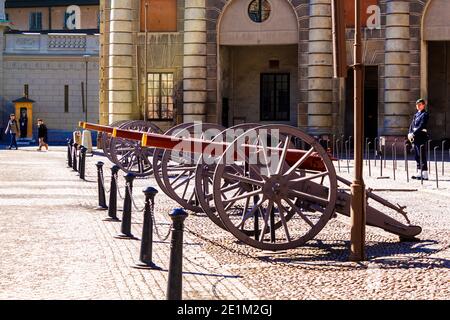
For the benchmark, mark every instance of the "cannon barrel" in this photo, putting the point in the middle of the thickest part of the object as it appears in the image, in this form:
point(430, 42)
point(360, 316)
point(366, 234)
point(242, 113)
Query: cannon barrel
point(213, 148)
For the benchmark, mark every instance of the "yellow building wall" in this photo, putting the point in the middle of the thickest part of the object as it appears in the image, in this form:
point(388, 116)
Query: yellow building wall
point(29, 106)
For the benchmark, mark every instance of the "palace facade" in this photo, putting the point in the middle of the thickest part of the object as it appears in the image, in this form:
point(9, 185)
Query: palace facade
point(269, 61)
point(48, 48)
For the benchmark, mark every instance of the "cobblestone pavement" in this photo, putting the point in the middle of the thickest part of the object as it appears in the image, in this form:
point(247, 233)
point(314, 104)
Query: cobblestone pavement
point(55, 246)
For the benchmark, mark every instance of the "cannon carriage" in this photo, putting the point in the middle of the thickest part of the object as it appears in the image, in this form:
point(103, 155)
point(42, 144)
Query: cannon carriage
point(273, 187)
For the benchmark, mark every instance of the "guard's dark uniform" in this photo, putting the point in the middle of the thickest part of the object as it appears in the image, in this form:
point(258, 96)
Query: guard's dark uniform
point(419, 129)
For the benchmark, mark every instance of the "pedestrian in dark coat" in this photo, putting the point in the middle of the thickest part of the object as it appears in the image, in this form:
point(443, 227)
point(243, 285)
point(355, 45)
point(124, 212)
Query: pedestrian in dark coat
point(418, 135)
point(13, 129)
point(42, 135)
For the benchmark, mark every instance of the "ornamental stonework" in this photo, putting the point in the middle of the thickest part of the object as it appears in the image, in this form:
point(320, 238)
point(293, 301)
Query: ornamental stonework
point(67, 42)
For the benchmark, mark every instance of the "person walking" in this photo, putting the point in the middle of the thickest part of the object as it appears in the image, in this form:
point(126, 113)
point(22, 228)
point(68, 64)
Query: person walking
point(13, 129)
point(418, 136)
point(42, 135)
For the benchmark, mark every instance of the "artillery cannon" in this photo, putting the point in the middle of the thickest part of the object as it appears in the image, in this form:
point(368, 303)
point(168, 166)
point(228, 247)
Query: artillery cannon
point(273, 186)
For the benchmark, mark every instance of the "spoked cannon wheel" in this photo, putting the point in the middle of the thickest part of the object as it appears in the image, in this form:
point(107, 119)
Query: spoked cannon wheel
point(158, 154)
point(178, 168)
point(106, 138)
point(281, 188)
point(204, 172)
point(129, 155)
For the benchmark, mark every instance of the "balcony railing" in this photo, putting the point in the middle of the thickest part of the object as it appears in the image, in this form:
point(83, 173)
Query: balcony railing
point(51, 43)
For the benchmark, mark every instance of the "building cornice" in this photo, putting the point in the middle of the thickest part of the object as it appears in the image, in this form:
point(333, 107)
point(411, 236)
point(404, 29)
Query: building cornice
point(47, 3)
point(30, 57)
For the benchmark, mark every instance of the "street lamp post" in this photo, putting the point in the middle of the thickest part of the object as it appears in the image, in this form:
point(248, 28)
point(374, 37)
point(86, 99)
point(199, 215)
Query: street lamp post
point(86, 60)
point(145, 62)
point(358, 199)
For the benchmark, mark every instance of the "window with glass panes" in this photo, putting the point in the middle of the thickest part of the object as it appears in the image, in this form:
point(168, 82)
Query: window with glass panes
point(160, 96)
point(259, 10)
point(35, 21)
point(275, 96)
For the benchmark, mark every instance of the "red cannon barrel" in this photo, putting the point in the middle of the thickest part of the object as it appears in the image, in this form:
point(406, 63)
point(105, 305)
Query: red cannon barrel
point(154, 140)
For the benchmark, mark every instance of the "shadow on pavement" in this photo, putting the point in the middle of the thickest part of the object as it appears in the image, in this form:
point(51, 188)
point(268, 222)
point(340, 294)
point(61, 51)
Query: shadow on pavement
point(400, 255)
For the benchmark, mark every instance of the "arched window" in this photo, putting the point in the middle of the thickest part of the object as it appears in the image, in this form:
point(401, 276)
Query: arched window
point(161, 15)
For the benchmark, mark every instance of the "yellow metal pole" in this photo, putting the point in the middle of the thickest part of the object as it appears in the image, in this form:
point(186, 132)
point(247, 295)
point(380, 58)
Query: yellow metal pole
point(358, 199)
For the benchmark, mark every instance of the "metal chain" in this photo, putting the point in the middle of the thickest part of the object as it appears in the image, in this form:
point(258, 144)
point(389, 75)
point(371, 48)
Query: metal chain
point(104, 185)
point(118, 187)
point(152, 206)
point(152, 213)
point(132, 199)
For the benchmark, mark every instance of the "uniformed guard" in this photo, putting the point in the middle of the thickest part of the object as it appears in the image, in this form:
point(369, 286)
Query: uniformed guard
point(418, 135)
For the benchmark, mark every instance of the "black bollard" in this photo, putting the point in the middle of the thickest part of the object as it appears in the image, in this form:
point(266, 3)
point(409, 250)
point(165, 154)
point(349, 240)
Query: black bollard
point(375, 151)
point(436, 167)
point(429, 153)
point(382, 152)
point(74, 157)
point(442, 159)
point(175, 281)
point(337, 155)
point(112, 207)
point(395, 153)
point(145, 256)
point(101, 188)
point(69, 152)
point(125, 227)
point(337, 149)
point(368, 155)
point(82, 162)
point(367, 151)
point(405, 151)
point(393, 159)
point(347, 155)
point(421, 165)
point(381, 160)
point(333, 143)
point(350, 140)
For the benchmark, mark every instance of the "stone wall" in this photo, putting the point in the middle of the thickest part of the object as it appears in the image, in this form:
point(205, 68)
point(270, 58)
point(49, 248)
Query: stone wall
point(247, 63)
point(214, 9)
point(46, 77)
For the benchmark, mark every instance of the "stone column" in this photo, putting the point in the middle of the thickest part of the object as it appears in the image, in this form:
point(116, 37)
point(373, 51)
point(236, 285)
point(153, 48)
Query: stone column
point(120, 84)
point(397, 109)
point(194, 61)
point(103, 62)
point(2, 10)
point(320, 68)
point(1, 73)
point(2, 26)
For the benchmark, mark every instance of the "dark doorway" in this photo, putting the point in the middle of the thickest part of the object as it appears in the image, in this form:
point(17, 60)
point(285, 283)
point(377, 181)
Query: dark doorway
point(275, 93)
point(370, 103)
point(439, 89)
point(225, 112)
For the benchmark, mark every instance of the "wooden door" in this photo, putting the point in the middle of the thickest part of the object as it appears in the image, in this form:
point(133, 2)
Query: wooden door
point(439, 89)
